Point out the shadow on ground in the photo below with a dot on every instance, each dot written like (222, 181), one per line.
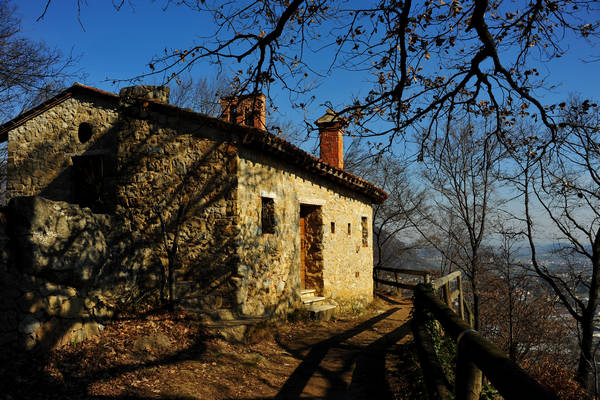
(362, 358)
(346, 359)
(38, 375)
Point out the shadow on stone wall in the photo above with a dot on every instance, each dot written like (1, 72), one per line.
(56, 287)
(169, 234)
(176, 192)
(65, 270)
(77, 181)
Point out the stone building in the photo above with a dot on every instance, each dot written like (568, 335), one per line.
(109, 193)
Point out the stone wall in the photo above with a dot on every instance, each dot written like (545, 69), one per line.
(177, 192)
(169, 179)
(41, 151)
(271, 281)
(58, 281)
(168, 185)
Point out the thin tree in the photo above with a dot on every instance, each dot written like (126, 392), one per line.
(518, 312)
(30, 71)
(563, 181)
(202, 95)
(522, 317)
(461, 171)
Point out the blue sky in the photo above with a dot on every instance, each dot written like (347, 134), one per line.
(114, 45)
(119, 45)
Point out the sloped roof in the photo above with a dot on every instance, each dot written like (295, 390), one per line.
(251, 137)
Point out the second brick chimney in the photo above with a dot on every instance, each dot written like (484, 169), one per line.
(331, 137)
(247, 110)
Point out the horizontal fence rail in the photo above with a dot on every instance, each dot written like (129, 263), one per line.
(476, 356)
(398, 271)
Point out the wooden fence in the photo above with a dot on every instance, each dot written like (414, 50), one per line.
(449, 295)
(476, 356)
(399, 271)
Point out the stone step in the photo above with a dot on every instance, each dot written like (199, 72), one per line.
(312, 299)
(322, 312)
(307, 292)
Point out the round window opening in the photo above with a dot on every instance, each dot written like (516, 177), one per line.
(85, 132)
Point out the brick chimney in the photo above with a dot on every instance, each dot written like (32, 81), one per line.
(247, 110)
(332, 141)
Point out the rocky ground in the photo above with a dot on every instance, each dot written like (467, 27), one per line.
(169, 356)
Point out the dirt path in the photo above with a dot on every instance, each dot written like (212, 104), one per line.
(163, 357)
(350, 364)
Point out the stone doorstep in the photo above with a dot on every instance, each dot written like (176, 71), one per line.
(307, 292)
(312, 300)
(320, 307)
(315, 305)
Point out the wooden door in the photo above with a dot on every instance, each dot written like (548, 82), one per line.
(303, 251)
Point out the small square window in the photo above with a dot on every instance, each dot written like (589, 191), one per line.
(365, 232)
(349, 228)
(267, 215)
(333, 227)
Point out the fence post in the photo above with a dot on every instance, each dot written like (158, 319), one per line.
(468, 376)
(437, 384)
(448, 295)
(461, 300)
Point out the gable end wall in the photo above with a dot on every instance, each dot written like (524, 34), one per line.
(40, 150)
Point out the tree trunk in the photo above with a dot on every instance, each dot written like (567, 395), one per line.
(171, 280)
(475, 290)
(163, 284)
(512, 348)
(585, 368)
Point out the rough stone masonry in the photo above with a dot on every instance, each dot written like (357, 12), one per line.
(108, 193)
